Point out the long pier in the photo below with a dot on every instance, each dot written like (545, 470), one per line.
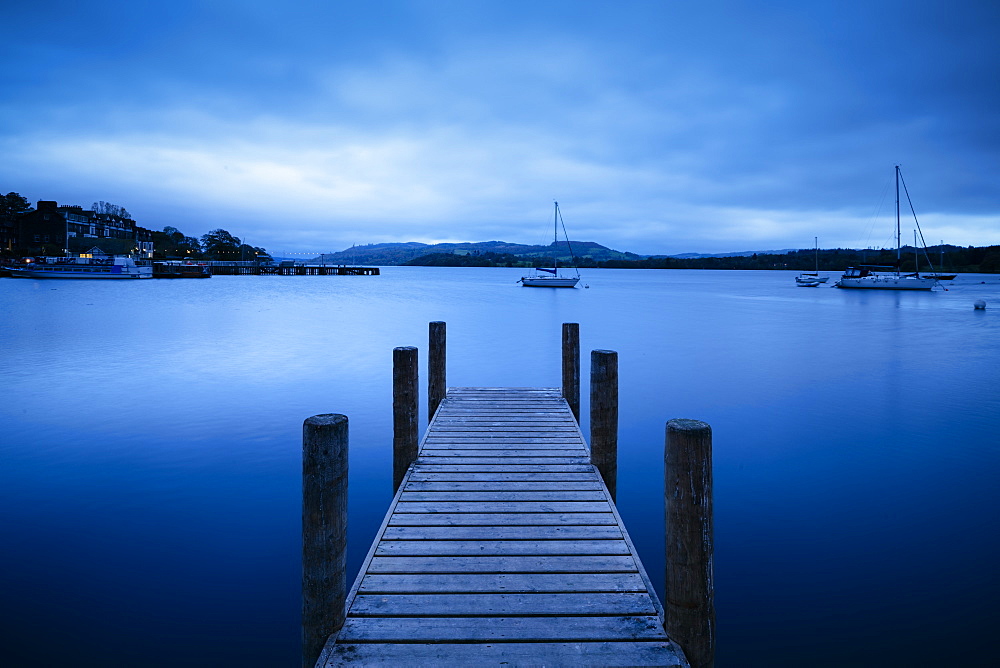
(502, 544)
(256, 269)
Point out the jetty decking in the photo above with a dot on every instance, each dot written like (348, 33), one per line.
(502, 545)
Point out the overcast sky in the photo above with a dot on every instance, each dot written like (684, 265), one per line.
(664, 126)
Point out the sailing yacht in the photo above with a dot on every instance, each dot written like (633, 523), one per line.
(877, 277)
(552, 278)
(811, 279)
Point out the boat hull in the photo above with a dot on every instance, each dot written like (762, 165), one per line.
(103, 267)
(549, 282)
(136, 272)
(810, 278)
(164, 270)
(887, 283)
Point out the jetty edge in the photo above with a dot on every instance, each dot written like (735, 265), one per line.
(502, 543)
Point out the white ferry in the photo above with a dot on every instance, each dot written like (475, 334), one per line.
(117, 266)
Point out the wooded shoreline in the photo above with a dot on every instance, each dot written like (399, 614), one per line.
(985, 260)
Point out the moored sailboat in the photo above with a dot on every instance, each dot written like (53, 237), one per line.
(881, 277)
(811, 279)
(552, 278)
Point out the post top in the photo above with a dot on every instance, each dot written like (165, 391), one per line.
(405, 348)
(685, 424)
(326, 420)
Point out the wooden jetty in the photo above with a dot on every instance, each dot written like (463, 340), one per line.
(502, 544)
(221, 268)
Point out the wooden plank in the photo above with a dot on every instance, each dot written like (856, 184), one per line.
(510, 450)
(499, 435)
(485, 422)
(502, 495)
(437, 448)
(500, 547)
(520, 605)
(502, 507)
(501, 441)
(504, 564)
(505, 519)
(506, 468)
(457, 583)
(548, 427)
(484, 486)
(540, 435)
(460, 390)
(523, 629)
(512, 398)
(505, 411)
(482, 462)
(507, 532)
(533, 475)
(644, 653)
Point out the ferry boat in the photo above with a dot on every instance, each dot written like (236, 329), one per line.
(116, 266)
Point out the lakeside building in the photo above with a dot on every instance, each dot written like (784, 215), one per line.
(50, 229)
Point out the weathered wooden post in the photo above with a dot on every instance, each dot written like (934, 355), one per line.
(690, 592)
(404, 411)
(604, 415)
(437, 385)
(571, 366)
(324, 531)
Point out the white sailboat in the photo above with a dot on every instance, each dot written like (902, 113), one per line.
(877, 277)
(551, 278)
(811, 279)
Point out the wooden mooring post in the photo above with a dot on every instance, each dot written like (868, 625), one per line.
(324, 531)
(437, 385)
(405, 409)
(689, 605)
(571, 366)
(604, 415)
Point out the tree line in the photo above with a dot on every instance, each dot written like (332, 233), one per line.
(974, 259)
(218, 244)
(487, 259)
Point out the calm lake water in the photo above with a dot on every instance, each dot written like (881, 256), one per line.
(151, 434)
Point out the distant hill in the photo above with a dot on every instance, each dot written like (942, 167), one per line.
(399, 253)
(688, 256)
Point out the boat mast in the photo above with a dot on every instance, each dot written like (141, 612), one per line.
(898, 256)
(555, 236)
